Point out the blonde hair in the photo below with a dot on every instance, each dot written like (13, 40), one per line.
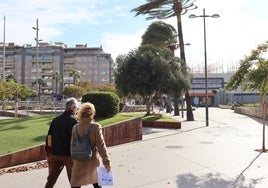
(86, 111)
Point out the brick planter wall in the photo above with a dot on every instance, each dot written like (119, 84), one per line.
(127, 131)
(159, 124)
(124, 132)
(21, 157)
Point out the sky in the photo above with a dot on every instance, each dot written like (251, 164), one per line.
(241, 27)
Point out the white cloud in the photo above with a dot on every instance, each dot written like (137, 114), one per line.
(121, 43)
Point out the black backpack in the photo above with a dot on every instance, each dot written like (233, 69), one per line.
(81, 147)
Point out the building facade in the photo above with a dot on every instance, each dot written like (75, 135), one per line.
(217, 95)
(50, 66)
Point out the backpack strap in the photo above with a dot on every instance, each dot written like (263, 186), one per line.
(89, 129)
(77, 134)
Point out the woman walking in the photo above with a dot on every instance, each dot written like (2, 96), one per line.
(85, 172)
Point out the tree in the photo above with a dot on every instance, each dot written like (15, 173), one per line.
(40, 83)
(107, 88)
(74, 91)
(160, 34)
(57, 77)
(15, 91)
(10, 77)
(87, 86)
(176, 82)
(252, 75)
(141, 72)
(3, 93)
(76, 75)
(165, 35)
(163, 9)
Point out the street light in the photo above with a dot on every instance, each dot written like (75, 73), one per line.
(37, 58)
(4, 50)
(205, 51)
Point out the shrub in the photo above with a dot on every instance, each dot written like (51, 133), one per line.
(106, 103)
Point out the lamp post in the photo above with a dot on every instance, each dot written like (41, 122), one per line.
(205, 51)
(4, 50)
(37, 60)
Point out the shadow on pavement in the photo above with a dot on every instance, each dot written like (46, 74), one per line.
(214, 181)
(147, 131)
(251, 163)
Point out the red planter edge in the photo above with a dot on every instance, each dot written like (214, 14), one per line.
(159, 124)
(116, 134)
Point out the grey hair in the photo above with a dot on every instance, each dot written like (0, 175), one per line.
(71, 102)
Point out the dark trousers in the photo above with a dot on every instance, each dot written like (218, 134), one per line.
(95, 185)
(56, 165)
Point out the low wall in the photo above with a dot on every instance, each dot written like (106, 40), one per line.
(124, 132)
(10, 114)
(21, 157)
(251, 111)
(159, 124)
(127, 131)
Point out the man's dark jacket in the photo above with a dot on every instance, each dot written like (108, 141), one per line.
(60, 130)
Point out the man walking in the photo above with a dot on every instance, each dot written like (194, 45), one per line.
(58, 142)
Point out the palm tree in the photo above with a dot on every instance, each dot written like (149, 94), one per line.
(10, 77)
(163, 9)
(40, 83)
(76, 75)
(57, 77)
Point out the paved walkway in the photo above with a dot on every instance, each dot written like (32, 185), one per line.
(222, 155)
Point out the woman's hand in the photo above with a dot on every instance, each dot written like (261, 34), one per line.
(108, 168)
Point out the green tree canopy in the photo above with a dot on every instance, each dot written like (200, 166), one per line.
(176, 82)
(76, 75)
(13, 90)
(160, 34)
(252, 75)
(141, 72)
(74, 91)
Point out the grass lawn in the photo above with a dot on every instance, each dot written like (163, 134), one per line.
(21, 133)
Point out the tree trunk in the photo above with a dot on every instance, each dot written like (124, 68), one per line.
(39, 90)
(264, 112)
(16, 106)
(3, 104)
(56, 86)
(176, 106)
(178, 10)
(190, 116)
(168, 104)
(148, 105)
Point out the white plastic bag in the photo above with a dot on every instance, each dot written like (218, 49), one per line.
(104, 178)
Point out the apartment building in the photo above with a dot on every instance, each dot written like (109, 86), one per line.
(53, 65)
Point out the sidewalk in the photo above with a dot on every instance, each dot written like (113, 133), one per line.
(221, 155)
